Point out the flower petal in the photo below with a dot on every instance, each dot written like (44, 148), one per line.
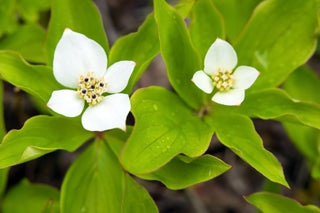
(203, 81)
(230, 97)
(244, 77)
(220, 55)
(77, 55)
(66, 102)
(118, 75)
(110, 113)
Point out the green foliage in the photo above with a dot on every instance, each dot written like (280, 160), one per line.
(141, 46)
(162, 131)
(273, 203)
(172, 130)
(39, 136)
(7, 19)
(235, 15)
(207, 24)
(30, 198)
(27, 40)
(29, 10)
(280, 44)
(36, 80)
(276, 104)
(3, 180)
(96, 183)
(80, 16)
(183, 171)
(246, 144)
(178, 173)
(181, 58)
(304, 85)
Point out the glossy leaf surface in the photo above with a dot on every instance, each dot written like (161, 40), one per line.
(206, 25)
(162, 131)
(141, 46)
(276, 104)
(39, 136)
(237, 132)
(235, 15)
(29, 198)
(96, 183)
(183, 171)
(28, 40)
(280, 43)
(273, 203)
(18, 72)
(181, 58)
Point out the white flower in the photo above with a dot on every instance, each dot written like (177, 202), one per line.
(81, 64)
(229, 86)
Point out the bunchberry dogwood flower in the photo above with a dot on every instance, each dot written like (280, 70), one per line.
(81, 64)
(218, 75)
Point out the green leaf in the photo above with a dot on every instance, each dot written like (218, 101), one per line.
(164, 128)
(207, 24)
(303, 84)
(177, 51)
(27, 40)
(307, 140)
(29, 198)
(273, 203)
(3, 180)
(7, 16)
(276, 104)
(235, 14)
(96, 183)
(30, 10)
(39, 136)
(280, 44)
(116, 139)
(81, 16)
(180, 172)
(183, 171)
(36, 80)
(141, 46)
(237, 132)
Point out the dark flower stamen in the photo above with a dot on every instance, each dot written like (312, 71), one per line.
(91, 89)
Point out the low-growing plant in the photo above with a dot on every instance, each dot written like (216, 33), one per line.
(227, 62)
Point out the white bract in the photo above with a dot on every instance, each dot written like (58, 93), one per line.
(229, 86)
(81, 64)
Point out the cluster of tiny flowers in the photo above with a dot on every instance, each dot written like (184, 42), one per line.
(91, 88)
(223, 79)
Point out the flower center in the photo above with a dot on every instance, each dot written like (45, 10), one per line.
(223, 79)
(91, 88)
